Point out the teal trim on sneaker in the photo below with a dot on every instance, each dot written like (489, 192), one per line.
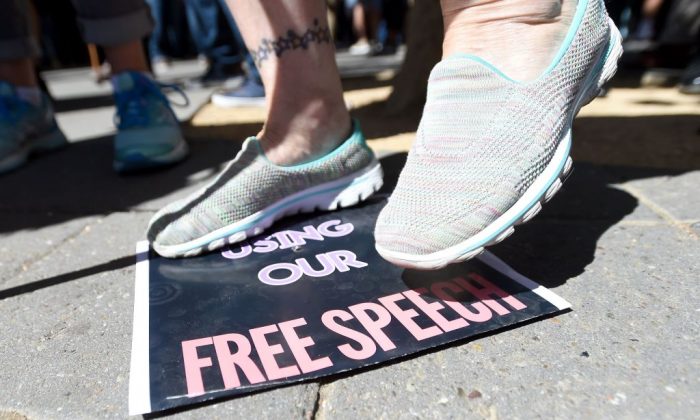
(356, 137)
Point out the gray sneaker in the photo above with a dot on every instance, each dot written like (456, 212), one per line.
(252, 192)
(491, 150)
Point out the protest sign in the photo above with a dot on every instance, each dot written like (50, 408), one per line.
(307, 299)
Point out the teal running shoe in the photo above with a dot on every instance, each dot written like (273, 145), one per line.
(252, 192)
(25, 129)
(149, 134)
(490, 150)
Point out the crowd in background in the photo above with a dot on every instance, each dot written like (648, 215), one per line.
(666, 31)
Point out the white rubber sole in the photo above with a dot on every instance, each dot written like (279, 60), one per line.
(545, 186)
(344, 192)
(47, 143)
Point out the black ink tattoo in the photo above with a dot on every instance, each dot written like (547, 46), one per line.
(292, 41)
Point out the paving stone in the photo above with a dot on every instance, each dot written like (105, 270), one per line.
(615, 355)
(82, 181)
(675, 193)
(297, 402)
(26, 237)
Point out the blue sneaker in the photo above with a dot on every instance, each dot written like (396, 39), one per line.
(25, 129)
(149, 133)
(250, 93)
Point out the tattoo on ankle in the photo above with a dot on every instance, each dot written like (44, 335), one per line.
(292, 41)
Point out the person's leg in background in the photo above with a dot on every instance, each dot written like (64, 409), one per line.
(309, 155)
(394, 13)
(251, 92)
(160, 63)
(365, 22)
(148, 133)
(494, 138)
(27, 124)
(214, 39)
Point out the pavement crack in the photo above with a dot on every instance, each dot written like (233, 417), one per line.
(660, 211)
(317, 403)
(27, 264)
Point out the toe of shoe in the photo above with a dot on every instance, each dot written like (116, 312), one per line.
(406, 234)
(402, 233)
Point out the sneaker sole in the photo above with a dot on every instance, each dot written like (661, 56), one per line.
(344, 192)
(545, 186)
(44, 144)
(138, 162)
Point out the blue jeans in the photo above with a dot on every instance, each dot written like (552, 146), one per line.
(214, 33)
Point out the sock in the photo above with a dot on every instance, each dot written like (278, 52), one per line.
(31, 94)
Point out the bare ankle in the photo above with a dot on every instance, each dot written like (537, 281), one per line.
(303, 132)
(519, 37)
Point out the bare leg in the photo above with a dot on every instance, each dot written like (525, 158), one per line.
(129, 56)
(520, 37)
(359, 23)
(306, 115)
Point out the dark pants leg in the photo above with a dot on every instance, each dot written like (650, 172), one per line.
(113, 22)
(16, 38)
(211, 34)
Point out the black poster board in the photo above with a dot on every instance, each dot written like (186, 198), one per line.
(309, 298)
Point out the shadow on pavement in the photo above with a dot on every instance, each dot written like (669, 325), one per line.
(79, 181)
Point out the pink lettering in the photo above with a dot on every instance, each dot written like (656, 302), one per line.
(367, 346)
(194, 365)
(267, 352)
(298, 346)
(241, 358)
(482, 313)
(433, 311)
(405, 317)
(374, 326)
(487, 291)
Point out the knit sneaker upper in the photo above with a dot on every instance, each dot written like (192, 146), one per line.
(483, 140)
(249, 184)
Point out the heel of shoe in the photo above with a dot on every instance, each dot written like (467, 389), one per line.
(609, 60)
